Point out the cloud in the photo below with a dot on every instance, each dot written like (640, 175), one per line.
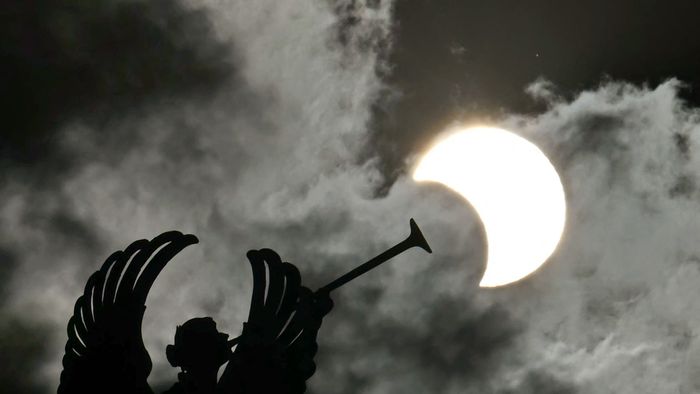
(614, 309)
(23, 343)
(243, 161)
(70, 64)
(97, 61)
(613, 296)
(276, 156)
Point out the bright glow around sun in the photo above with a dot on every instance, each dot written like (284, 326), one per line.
(514, 189)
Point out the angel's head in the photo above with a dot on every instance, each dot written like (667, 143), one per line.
(199, 346)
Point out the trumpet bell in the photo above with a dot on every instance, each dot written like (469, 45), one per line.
(417, 239)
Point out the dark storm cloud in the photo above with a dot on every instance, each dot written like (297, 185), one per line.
(8, 261)
(96, 63)
(24, 336)
(95, 60)
(437, 356)
(240, 172)
(22, 348)
(540, 382)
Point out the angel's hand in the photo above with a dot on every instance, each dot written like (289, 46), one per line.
(312, 308)
(320, 304)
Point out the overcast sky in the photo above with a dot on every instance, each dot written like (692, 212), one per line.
(292, 125)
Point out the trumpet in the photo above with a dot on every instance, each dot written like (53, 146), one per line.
(414, 239)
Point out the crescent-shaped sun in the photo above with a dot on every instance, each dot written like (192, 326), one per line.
(514, 189)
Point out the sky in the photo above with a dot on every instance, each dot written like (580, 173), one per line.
(294, 125)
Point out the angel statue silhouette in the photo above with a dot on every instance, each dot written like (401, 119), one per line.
(274, 354)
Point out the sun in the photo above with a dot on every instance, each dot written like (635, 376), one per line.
(513, 187)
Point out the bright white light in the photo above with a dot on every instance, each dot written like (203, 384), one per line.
(513, 187)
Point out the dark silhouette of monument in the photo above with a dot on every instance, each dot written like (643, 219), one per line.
(273, 355)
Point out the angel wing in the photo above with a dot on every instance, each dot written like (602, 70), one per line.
(105, 351)
(276, 350)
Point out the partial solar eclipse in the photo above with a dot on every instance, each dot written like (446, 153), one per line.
(514, 189)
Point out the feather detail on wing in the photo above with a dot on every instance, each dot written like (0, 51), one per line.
(276, 350)
(105, 351)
